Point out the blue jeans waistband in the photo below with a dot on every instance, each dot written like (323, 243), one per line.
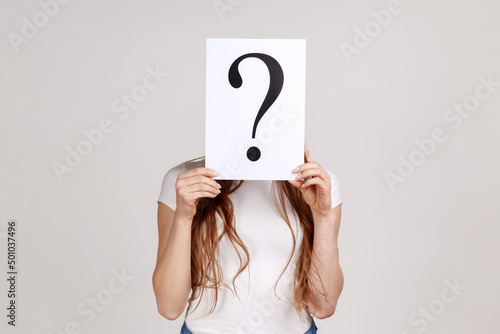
(312, 329)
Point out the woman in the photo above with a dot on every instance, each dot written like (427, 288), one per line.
(260, 256)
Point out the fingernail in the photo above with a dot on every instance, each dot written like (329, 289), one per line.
(218, 185)
(299, 176)
(296, 170)
(215, 174)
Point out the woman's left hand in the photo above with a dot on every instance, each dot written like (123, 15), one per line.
(315, 184)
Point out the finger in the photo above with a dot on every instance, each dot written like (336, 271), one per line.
(306, 166)
(315, 181)
(193, 197)
(198, 171)
(314, 172)
(202, 194)
(198, 179)
(201, 187)
(307, 155)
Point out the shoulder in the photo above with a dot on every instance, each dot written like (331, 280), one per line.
(335, 189)
(171, 175)
(333, 177)
(168, 192)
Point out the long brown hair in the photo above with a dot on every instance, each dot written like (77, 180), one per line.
(206, 271)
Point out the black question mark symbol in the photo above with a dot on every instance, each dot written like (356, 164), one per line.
(275, 85)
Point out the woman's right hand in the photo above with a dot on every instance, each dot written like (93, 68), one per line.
(192, 185)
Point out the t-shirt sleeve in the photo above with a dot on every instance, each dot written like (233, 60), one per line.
(167, 192)
(336, 198)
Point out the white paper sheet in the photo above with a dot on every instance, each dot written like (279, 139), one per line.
(231, 112)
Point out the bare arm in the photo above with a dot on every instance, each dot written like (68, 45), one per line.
(315, 184)
(172, 274)
(325, 257)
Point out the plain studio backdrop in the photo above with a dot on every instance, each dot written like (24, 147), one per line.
(402, 101)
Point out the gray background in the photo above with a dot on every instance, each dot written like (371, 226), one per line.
(397, 246)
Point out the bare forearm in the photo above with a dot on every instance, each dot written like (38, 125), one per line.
(325, 259)
(172, 275)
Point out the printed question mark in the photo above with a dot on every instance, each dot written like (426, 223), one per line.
(275, 85)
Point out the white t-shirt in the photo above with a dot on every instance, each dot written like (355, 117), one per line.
(269, 242)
